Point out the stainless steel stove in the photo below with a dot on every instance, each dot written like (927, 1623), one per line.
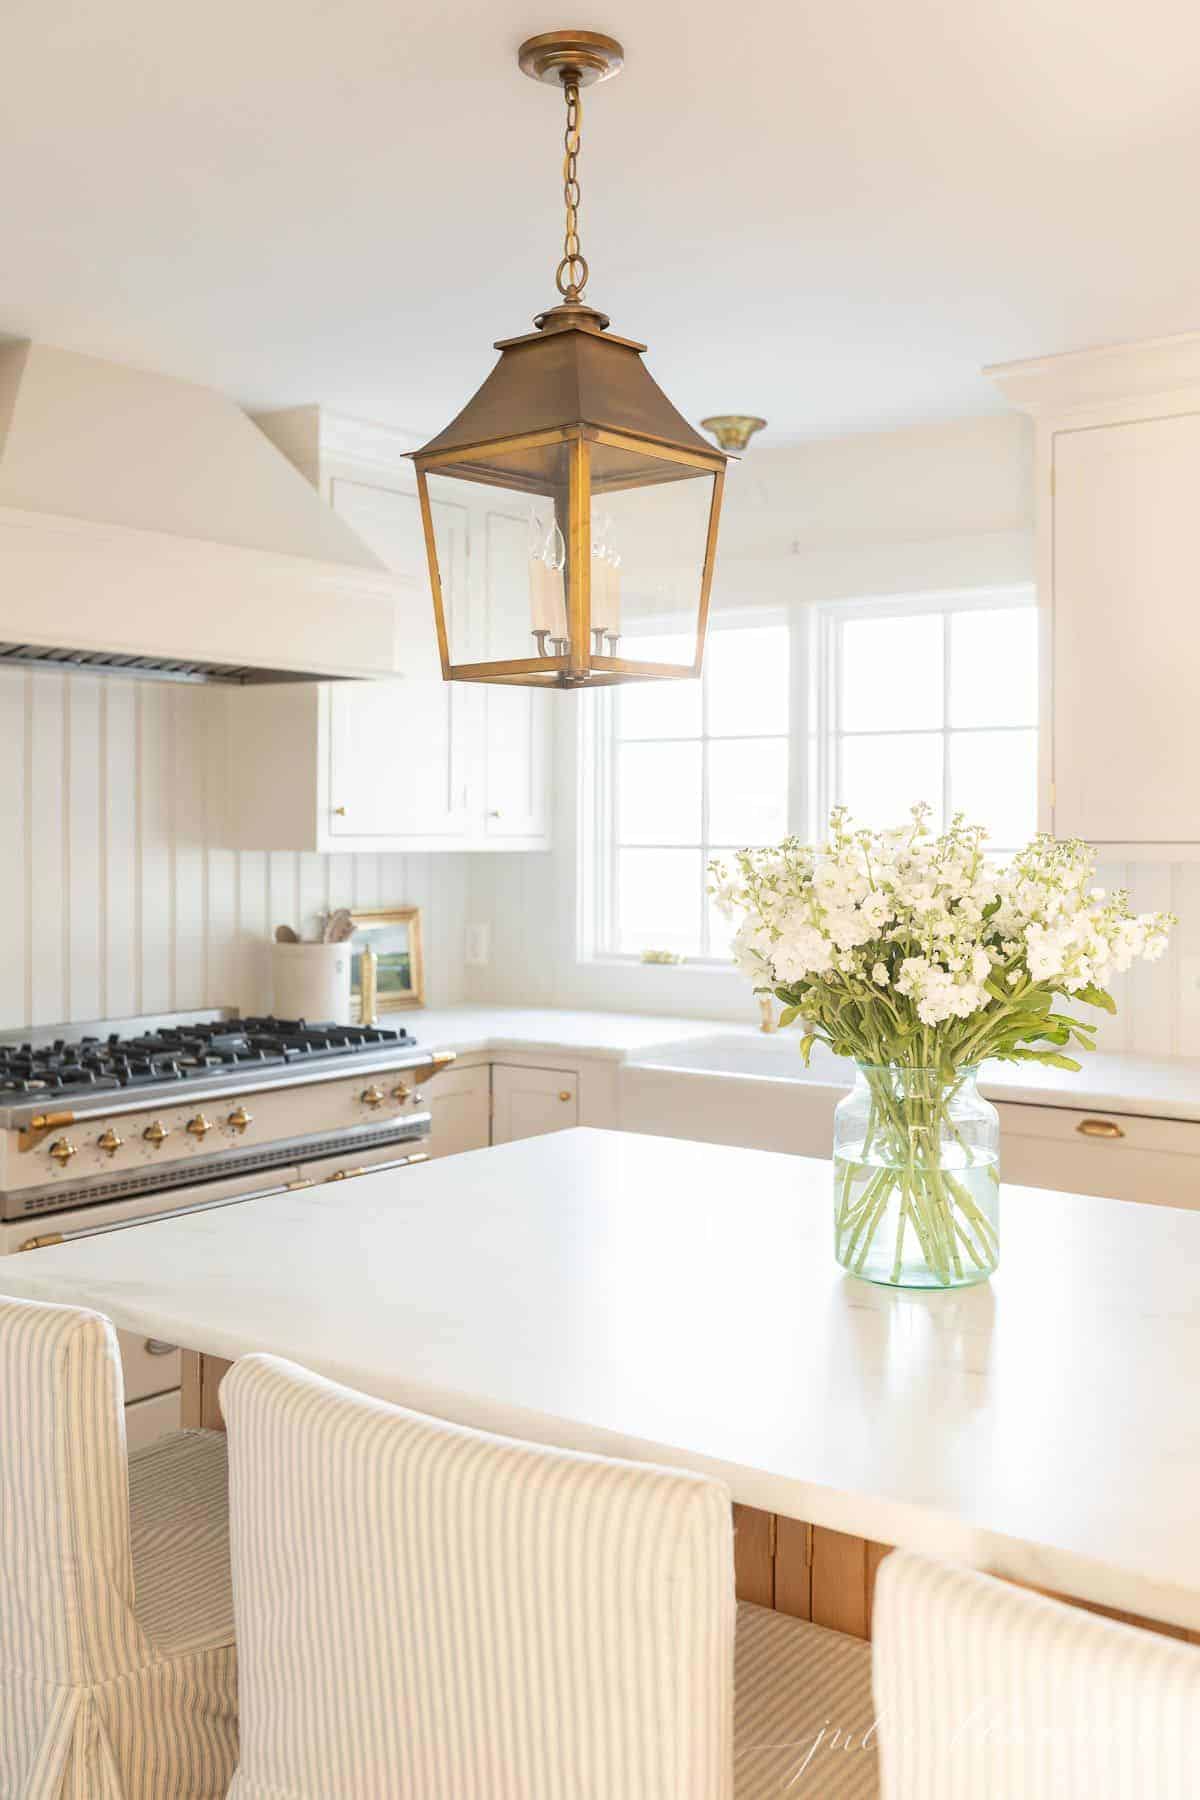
(122, 1120)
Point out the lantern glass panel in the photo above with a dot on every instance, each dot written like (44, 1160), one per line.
(508, 508)
(650, 519)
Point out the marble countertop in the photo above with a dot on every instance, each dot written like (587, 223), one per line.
(597, 1290)
(1154, 1087)
(530, 1030)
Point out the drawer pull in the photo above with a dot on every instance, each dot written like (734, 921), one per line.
(1101, 1128)
(565, 1094)
(158, 1347)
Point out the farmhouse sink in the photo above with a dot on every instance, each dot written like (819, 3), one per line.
(767, 1056)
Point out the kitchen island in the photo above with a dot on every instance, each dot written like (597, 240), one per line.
(679, 1302)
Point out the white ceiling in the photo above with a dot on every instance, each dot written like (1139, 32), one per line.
(830, 215)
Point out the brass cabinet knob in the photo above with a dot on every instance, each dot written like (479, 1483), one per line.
(199, 1126)
(239, 1118)
(564, 1094)
(372, 1096)
(339, 812)
(62, 1150)
(1101, 1128)
(400, 1092)
(108, 1140)
(157, 1134)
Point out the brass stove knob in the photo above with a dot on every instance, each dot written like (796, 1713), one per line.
(239, 1118)
(199, 1126)
(62, 1150)
(157, 1134)
(400, 1092)
(372, 1096)
(108, 1140)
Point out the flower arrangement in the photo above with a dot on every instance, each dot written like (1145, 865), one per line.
(915, 955)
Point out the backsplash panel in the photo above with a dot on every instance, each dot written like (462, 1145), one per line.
(119, 896)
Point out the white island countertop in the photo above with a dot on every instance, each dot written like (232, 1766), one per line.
(679, 1302)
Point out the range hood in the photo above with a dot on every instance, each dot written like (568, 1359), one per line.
(148, 527)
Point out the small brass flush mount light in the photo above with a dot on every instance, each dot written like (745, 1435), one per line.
(595, 503)
(732, 431)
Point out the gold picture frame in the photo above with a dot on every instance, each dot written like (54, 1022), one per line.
(394, 933)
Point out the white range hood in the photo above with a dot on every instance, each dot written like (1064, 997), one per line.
(148, 527)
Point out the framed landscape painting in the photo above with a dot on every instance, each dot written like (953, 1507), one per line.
(395, 937)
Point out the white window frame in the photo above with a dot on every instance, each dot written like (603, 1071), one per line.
(814, 741)
(598, 835)
(826, 736)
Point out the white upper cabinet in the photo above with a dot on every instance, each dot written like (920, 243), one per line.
(1127, 632)
(399, 761)
(1118, 527)
(415, 763)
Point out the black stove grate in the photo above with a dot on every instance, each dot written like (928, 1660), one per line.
(180, 1053)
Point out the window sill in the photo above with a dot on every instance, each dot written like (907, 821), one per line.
(696, 965)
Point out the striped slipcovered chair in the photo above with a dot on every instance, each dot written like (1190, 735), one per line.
(433, 1613)
(988, 1692)
(117, 1670)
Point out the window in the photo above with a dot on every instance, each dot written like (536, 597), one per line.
(696, 767)
(935, 700)
(874, 704)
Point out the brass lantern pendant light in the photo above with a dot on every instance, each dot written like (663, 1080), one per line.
(593, 502)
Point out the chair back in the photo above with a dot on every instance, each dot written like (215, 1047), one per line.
(426, 1610)
(984, 1689)
(66, 1578)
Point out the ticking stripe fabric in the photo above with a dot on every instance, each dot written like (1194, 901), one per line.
(986, 1691)
(100, 1699)
(430, 1612)
(803, 1712)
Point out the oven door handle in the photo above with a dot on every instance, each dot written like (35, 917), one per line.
(50, 1238)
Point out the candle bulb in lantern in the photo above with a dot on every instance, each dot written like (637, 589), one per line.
(547, 604)
(613, 622)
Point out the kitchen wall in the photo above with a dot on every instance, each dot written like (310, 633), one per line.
(118, 895)
(941, 507)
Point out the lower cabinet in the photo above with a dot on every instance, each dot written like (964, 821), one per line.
(146, 1420)
(474, 1107)
(530, 1102)
(152, 1374)
(1119, 1156)
(460, 1106)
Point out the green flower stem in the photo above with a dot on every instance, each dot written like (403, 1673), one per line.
(909, 1127)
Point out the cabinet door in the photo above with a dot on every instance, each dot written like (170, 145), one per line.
(516, 720)
(398, 757)
(1155, 1161)
(529, 1102)
(1126, 566)
(460, 1102)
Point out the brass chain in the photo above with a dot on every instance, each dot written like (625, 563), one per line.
(571, 276)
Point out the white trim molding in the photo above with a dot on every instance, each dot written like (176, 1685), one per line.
(1079, 379)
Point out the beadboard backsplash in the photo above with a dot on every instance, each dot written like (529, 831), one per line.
(118, 896)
